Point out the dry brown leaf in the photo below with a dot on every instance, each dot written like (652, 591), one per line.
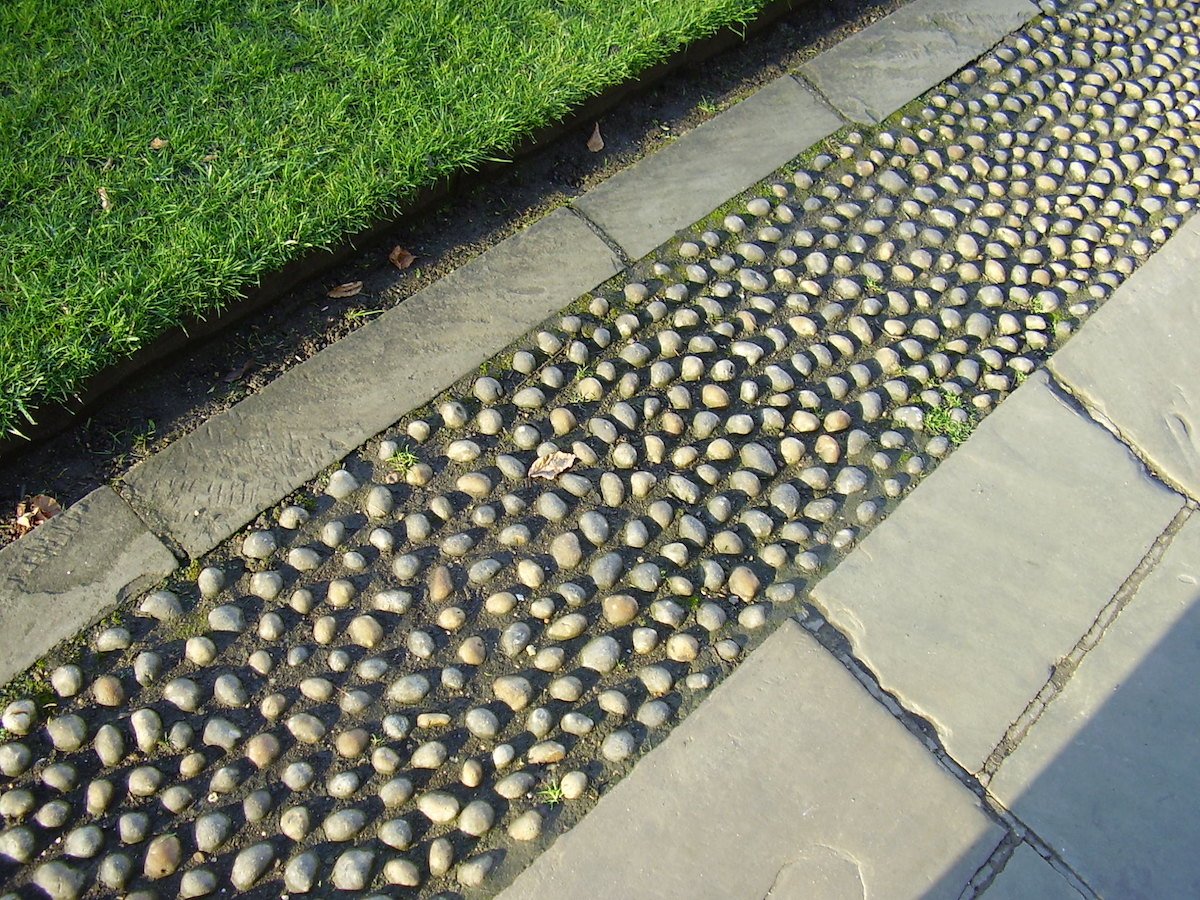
(239, 373)
(595, 142)
(401, 258)
(105, 203)
(33, 512)
(349, 289)
(159, 143)
(552, 465)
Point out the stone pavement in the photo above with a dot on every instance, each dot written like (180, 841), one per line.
(397, 661)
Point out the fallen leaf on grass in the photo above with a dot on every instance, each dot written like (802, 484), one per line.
(401, 258)
(552, 465)
(33, 512)
(349, 289)
(105, 203)
(595, 142)
(159, 143)
(239, 373)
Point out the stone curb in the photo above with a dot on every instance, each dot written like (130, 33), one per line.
(644, 205)
(204, 487)
(70, 571)
(875, 72)
(207, 485)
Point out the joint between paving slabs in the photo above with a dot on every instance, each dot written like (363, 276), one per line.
(1073, 401)
(920, 728)
(153, 524)
(833, 640)
(1019, 834)
(617, 249)
(799, 78)
(1063, 669)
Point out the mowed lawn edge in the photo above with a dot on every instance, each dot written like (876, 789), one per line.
(158, 157)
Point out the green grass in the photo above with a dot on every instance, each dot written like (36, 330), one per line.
(551, 793)
(230, 136)
(939, 421)
(402, 460)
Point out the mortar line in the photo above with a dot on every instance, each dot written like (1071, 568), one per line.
(1064, 392)
(817, 92)
(1016, 831)
(1066, 667)
(626, 261)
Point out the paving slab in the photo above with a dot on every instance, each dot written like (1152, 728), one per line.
(644, 205)
(1027, 876)
(1107, 776)
(1136, 361)
(789, 781)
(206, 486)
(962, 601)
(875, 72)
(66, 573)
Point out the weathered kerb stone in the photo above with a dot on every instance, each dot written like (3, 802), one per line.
(205, 486)
(645, 204)
(66, 573)
(873, 73)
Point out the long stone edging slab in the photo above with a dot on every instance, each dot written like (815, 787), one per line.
(71, 570)
(877, 71)
(207, 485)
(644, 205)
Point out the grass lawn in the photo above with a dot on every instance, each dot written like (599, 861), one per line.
(158, 156)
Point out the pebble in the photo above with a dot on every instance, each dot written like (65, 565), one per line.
(197, 883)
(476, 818)
(601, 654)
(518, 784)
(250, 865)
(482, 722)
(439, 807)
(352, 871)
(300, 874)
(58, 880)
(396, 833)
(618, 746)
(441, 856)
(341, 484)
(84, 842)
(211, 831)
(526, 827)
(475, 870)
(161, 605)
(259, 545)
(67, 732)
(163, 856)
(227, 618)
(306, 728)
(344, 825)
(619, 609)
(546, 752)
(743, 583)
